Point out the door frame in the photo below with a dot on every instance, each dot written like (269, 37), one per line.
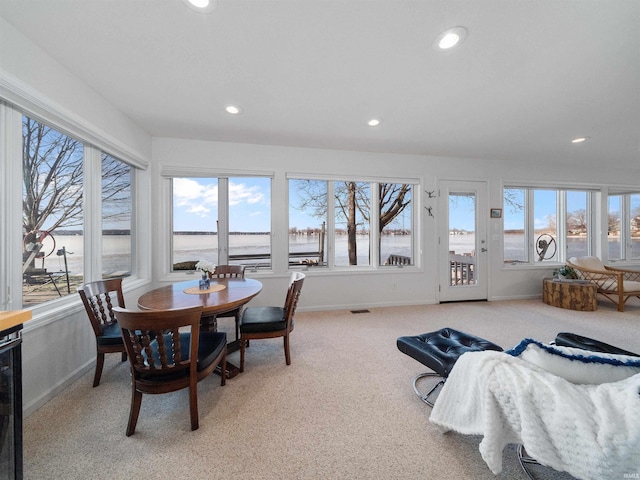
(480, 290)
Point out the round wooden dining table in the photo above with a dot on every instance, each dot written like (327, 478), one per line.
(223, 295)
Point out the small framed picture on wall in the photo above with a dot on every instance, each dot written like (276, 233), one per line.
(496, 213)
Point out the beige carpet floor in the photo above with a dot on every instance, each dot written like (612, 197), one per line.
(344, 409)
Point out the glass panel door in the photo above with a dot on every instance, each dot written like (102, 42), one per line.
(462, 238)
(463, 247)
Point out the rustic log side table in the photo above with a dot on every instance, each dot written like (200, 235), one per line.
(571, 294)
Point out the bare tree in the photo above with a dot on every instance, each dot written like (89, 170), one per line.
(551, 222)
(577, 220)
(352, 198)
(514, 199)
(53, 180)
(614, 221)
(52, 177)
(393, 198)
(116, 191)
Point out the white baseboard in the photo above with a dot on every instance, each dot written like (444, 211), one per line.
(36, 403)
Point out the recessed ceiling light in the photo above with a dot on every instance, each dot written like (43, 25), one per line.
(580, 140)
(233, 109)
(450, 38)
(374, 122)
(201, 6)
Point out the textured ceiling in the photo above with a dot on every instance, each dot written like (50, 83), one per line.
(529, 77)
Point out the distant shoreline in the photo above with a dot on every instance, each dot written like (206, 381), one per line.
(74, 233)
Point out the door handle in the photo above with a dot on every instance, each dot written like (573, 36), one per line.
(483, 249)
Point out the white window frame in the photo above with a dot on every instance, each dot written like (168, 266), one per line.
(561, 223)
(374, 250)
(165, 244)
(626, 249)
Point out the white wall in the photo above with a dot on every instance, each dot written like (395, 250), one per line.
(31, 78)
(322, 290)
(331, 290)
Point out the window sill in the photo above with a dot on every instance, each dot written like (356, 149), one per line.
(530, 266)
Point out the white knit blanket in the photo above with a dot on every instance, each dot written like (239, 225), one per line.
(589, 431)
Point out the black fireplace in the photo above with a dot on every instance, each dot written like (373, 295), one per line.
(11, 403)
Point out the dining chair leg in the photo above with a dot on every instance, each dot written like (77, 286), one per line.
(242, 346)
(287, 354)
(136, 401)
(223, 370)
(238, 313)
(99, 365)
(193, 402)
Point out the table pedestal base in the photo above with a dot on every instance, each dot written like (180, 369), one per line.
(232, 370)
(210, 323)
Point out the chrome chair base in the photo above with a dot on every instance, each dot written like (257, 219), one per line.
(425, 396)
(525, 460)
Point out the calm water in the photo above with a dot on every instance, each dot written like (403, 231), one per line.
(194, 247)
(514, 246)
(116, 256)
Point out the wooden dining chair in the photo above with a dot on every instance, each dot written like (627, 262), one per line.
(229, 271)
(99, 298)
(271, 322)
(165, 358)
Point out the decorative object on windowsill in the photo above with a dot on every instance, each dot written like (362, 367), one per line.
(545, 247)
(207, 269)
(565, 272)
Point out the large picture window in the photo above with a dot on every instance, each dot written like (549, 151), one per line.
(395, 223)
(52, 213)
(308, 222)
(614, 227)
(623, 233)
(342, 223)
(117, 210)
(577, 218)
(195, 221)
(352, 212)
(546, 225)
(65, 240)
(515, 215)
(221, 220)
(249, 204)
